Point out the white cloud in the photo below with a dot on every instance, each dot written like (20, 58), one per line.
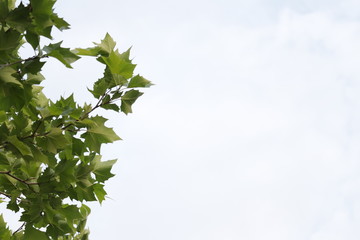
(250, 133)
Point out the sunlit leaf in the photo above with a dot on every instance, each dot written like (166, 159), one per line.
(120, 64)
(139, 81)
(104, 48)
(5, 233)
(7, 76)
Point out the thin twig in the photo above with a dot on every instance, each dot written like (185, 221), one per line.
(34, 133)
(19, 229)
(98, 104)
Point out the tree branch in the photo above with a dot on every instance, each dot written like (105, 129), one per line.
(19, 179)
(98, 104)
(23, 60)
(5, 194)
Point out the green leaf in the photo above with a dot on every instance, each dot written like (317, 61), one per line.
(102, 170)
(71, 212)
(4, 9)
(32, 38)
(128, 99)
(3, 116)
(19, 145)
(7, 76)
(39, 156)
(12, 205)
(20, 123)
(32, 234)
(104, 48)
(53, 141)
(85, 210)
(81, 226)
(98, 134)
(87, 51)
(111, 106)
(4, 161)
(60, 23)
(64, 55)
(11, 96)
(9, 40)
(42, 13)
(5, 233)
(64, 107)
(107, 45)
(19, 18)
(35, 78)
(120, 64)
(66, 170)
(81, 194)
(33, 66)
(99, 191)
(42, 7)
(4, 131)
(109, 80)
(139, 81)
(99, 88)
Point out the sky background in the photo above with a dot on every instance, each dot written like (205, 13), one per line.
(252, 130)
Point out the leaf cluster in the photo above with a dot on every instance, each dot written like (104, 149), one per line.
(50, 151)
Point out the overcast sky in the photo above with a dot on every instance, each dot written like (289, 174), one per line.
(252, 130)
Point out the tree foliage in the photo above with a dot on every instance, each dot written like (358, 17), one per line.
(50, 162)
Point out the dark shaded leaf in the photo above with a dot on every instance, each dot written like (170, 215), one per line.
(111, 106)
(9, 40)
(60, 23)
(32, 233)
(64, 55)
(98, 134)
(128, 99)
(32, 38)
(102, 170)
(33, 66)
(19, 18)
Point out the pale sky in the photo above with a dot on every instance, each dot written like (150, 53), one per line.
(252, 130)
